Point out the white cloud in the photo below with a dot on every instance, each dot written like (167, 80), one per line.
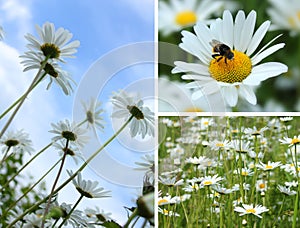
(17, 13)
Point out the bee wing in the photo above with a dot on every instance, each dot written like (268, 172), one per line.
(214, 43)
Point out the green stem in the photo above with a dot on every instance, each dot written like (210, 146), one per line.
(296, 205)
(279, 212)
(5, 156)
(55, 182)
(30, 88)
(70, 212)
(24, 166)
(131, 217)
(74, 175)
(33, 186)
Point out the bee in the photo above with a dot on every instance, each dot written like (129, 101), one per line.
(222, 50)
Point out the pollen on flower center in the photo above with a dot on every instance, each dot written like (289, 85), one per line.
(231, 71)
(136, 112)
(162, 201)
(269, 167)
(295, 141)
(207, 182)
(252, 210)
(186, 18)
(50, 50)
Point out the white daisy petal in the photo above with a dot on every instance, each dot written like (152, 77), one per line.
(248, 93)
(227, 28)
(230, 94)
(264, 71)
(255, 60)
(247, 31)
(239, 24)
(257, 37)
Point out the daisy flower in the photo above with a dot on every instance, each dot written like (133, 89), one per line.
(147, 164)
(33, 60)
(178, 14)
(72, 151)
(290, 141)
(210, 180)
(69, 131)
(127, 106)
(241, 146)
(286, 119)
(261, 185)
(33, 220)
(88, 188)
(93, 114)
(53, 44)
(249, 209)
(170, 182)
(16, 142)
(163, 200)
(254, 131)
(96, 214)
(269, 166)
(167, 213)
(245, 172)
(286, 190)
(285, 15)
(217, 145)
(241, 71)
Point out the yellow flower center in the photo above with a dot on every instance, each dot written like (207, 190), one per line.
(244, 173)
(207, 182)
(185, 18)
(193, 109)
(262, 186)
(269, 167)
(252, 210)
(293, 19)
(235, 70)
(295, 141)
(220, 144)
(162, 201)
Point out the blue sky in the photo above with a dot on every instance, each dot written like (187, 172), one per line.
(102, 27)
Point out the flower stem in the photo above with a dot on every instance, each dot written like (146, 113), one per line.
(75, 174)
(4, 156)
(33, 186)
(71, 211)
(55, 182)
(131, 217)
(296, 205)
(37, 78)
(24, 166)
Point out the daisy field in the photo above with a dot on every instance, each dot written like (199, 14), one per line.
(228, 172)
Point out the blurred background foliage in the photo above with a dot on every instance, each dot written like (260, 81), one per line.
(280, 93)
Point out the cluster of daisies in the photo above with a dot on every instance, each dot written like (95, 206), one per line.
(28, 206)
(224, 79)
(219, 169)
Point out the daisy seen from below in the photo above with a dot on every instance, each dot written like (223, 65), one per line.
(234, 76)
(127, 106)
(88, 188)
(178, 14)
(250, 209)
(286, 190)
(285, 15)
(16, 142)
(52, 44)
(93, 114)
(69, 131)
(33, 60)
